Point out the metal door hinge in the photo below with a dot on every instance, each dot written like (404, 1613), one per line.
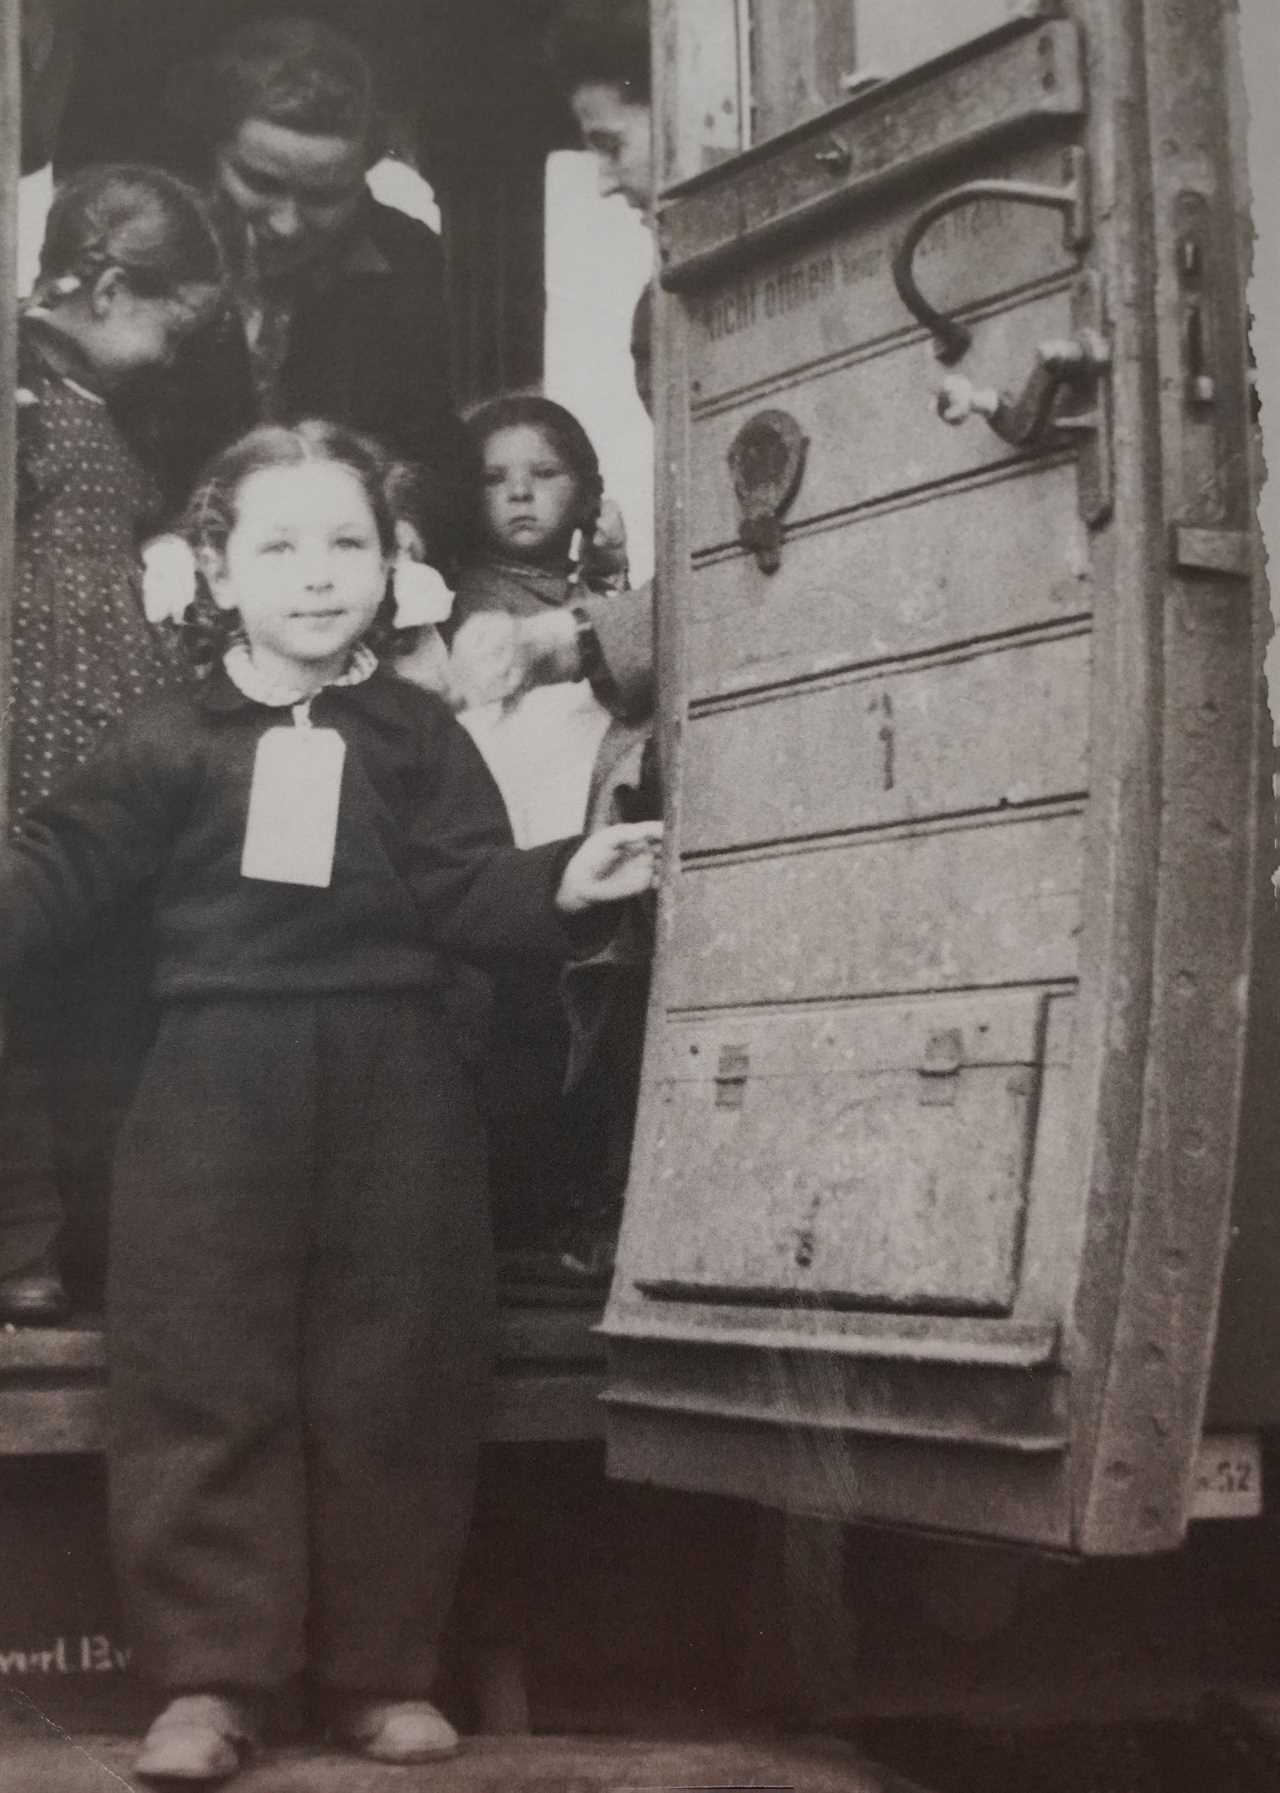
(732, 1071)
(940, 1068)
(1226, 552)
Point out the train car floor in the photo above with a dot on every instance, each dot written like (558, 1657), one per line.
(1220, 1749)
(48, 1761)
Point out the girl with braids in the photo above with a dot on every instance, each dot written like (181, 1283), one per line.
(129, 268)
(300, 1306)
(553, 1149)
(540, 493)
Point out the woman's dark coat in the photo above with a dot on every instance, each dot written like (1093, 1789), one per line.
(369, 347)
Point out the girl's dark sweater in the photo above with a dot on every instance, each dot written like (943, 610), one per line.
(423, 869)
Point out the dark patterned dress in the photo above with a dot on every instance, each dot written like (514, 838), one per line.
(83, 656)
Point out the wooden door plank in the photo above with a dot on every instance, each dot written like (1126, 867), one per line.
(952, 908)
(903, 580)
(981, 731)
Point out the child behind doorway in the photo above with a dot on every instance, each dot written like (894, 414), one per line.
(542, 532)
(540, 497)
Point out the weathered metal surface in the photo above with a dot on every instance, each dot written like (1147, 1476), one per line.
(971, 731)
(1029, 79)
(878, 1156)
(941, 908)
(894, 586)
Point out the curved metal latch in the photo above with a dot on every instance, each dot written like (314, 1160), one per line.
(952, 338)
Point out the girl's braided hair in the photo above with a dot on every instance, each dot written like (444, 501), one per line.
(126, 215)
(140, 220)
(566, 435)
(207, 630)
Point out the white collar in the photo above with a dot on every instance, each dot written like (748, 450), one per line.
(277, 693)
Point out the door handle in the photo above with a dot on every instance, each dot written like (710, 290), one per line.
(1065, 398)
(1073, 362)
(952, 338)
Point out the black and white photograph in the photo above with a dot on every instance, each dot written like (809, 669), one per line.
(639, 919)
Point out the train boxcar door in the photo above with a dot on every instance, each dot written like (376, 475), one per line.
(931, 1186)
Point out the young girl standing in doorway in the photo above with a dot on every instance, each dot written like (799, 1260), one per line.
(300, 1312)
(536, 522)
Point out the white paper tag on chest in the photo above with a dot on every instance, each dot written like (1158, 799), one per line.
(292, 827)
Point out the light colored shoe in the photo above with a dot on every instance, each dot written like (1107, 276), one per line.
(198, 1737)
(396, 1731)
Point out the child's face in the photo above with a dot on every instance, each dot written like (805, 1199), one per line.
(532, 501)
(304, 567)
(132, 332)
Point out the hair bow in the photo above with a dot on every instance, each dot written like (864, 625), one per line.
(168, 578)
(421, 595)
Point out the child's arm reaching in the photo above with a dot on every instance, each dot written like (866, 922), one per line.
(489, 901)
(611, 865)
(494, 656)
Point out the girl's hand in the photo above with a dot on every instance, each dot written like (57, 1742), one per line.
(611, 865)
(495, 658)
(486, 664)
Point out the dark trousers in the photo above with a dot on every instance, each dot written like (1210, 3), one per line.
(301, 1321)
